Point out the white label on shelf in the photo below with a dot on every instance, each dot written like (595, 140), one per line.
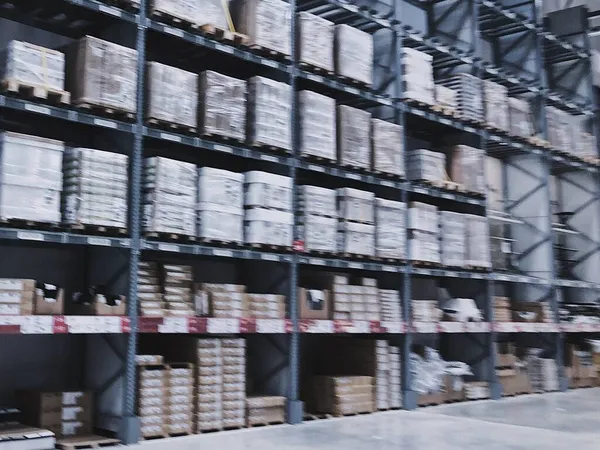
(496, 138)
(353, 176)
(388, 268)
(477, 327)
(316, 168)
(224, 253)
(168, 247)
(269, 158)
(36, 324)
(452, 274)
(37, 109)
(173, 31)
(321, 326)
(109, 10)
(312, 77)
(416, 37)
(385, 101)
(352, 90)
(420, 190)
(105, 123)
(223, 325)
(223, 148)
(387, 183)
(270, 326)
(448, 196)
(170, 137)
(470, 130)
(359, 326)
(492, 70)
(426, 327)
(224, 48)
(351, 7)
(445, 121)
(99, 241)
(316, 261)
(268, 62)
(393, 327)
(355, 265)
(269, 257)
(451, 327)
(418, 112)
(505, 247)
(30, 236)
(174, 325)
(510, 14)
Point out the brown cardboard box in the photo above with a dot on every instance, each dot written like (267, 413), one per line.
(527, 312)
(16, 302)
(455, 390)
(314, 304)
(49, 300)
(505, 355)
(431, 399)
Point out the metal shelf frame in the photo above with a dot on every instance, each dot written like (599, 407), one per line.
(488, 20)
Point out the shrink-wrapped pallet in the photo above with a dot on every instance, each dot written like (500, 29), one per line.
(268, 227)
(169, 196)
(266, 22)
(317, 125)
(423, 217)
(33, 65)
(222, 105)
(94, 188)
(390, 232)
(185, 10)
(424, 247)
(469, 92)
(173, 95)
(520, 117)
(220, 222)
(103, 74)
(317, 201)
(468, 167)
(30, 177)
(356, 238)
(496, 105)
(315, 41)
(391, 305)
(387, 141)
(453, 236)
(354, 54)
(559, 129)
(211, 12)
(318, 233)
(426, 165)
(267, 190)
(356, 206)
(354, 137)
(269, 106)
(418, 76)
(446, 98)
(478, 241)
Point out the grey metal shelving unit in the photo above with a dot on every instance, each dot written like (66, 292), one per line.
(487, 43)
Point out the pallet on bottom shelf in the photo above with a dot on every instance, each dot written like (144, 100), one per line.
(86, 442)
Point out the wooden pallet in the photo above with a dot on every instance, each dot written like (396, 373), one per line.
(446, 111)
(266, 423)
(268, 53)
(353, 82)
(224, 139)
(426, 263)
(97, 229)
(181, 433)
(233, 427)
(322, 253)
(165, 125)
(221, 34)
(591, 159)
(154, 437)
(85, 442)
(391, 176)
(175, 237)
(107, 111)
(360, 169)
(419, 104)
(127, 5)
(444, 184)
(357, 256)
(275, 248)
(180, 365)
(538, 142)
(315, 69)
(168, 18)
(317, 416)
(210, 430)
(271, 148)
(218, 242)
(29, 224)
(318, 159)
(31, 90)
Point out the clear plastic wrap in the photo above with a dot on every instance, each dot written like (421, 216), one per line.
(418, 76)
(354, 54)
(559, 129)
(33, 65)
(453, 236)
(496, 105)
(426, 165)
(425, 246)
(468, 167)
(210, 12)
(221, 187)
(317, 125)
(268, 226)
(220, 222)
(446, 98)
(315, 38)
(390, 236)
(356, 206)
(388, 147)
(186, 10)
(267, 190)
(469, 91)
(354, 137)
(269, 113)
(318, 233)
(317, 201)
(356, 238)
(478, 241)
(390, 303)
(520, 117)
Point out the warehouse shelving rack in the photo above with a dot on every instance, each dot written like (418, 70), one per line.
(488, 21)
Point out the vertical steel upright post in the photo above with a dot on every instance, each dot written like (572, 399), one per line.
(129, 431)
(294, 405)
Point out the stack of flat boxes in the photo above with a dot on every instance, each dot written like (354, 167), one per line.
(265, 306)
(356, 230)
(382, 375)
(95, 188)
(390, 235)
(269, 113)
(502, 309)
(234, 382)
(468, 167)
(227, 301)
(424, 241)
(354, 54)
(478, 242)
(17, 297)
(265, 410)
(496, 105)
(542, 372)
(418, 76)
(220, 205)
(342, 298)
(390, 306)
(209, 401)
(343, 395)
(149, 290)
(395, 380)
(387, 143)
(425, 311)
(352, 302)
(317, 126)
(453, 236)
(426, 165)
(469, 90)
(315, 41)
(177, 290)
(179, 418)
(354, 137)
(519, 114)
(446, 98)
(559, 129)
(269, 219)
(152, 401)
(317, 220)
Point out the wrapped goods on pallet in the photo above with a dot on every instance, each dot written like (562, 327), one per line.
(354, 54)
(315, 41)
(31, 178)
(233, 352)
(478, 241)
(266, 306)
(382, 375)
(185, 10)
(453, 237)
(266, 22)
(356, 206)
(209, 389)
(559, 129)
(32, 65)
(342, 395)
(318, 233)
(149, 290)
(169, 200)
(423, 217)
(268, 227)
(387, 141)
(94, 188)
(426, 165)
(521, 123)
(180, 388)
(469, 91)
(354, 137)
(211, 12)
(446, 98)
(178, 294)
(267, 190)
(269, 107)
(172, 95)
(317, 125)
(395, 377)
(222, 105)
(418, 76)
(424, 243)
(467, 167)
(220, 222)
(356, 238)
(265, 410)
(151, 399)
(426, 311)
(390, 304)
(317, 201)
(496, 105)
(542, 372)
(390, 235)
(101, 73)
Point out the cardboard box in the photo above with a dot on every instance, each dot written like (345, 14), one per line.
(527, 312)
(314, 304)
(49, 300)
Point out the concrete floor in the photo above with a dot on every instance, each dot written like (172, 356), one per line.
(550, 421)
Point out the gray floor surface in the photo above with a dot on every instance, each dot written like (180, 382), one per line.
(554, 421)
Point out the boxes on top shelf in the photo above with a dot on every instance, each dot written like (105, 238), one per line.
(387, 141)
(211, 12)
(521, 121)
(184, 10)
(315, 39)
(354, 137)
(418, 82)
(269, 106)
(268, 227)
(469, 91)
(426, 165)
(424, 241)
(354, 54)
(467, 167)
(318, 201)
(355, 205)
(172, 96)
(317, 125)
(267, 190)
(496, 105)
(390, 233)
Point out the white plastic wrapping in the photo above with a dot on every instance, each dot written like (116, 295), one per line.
(424, 246)
(469, 91)
(468, 167)
(520, 117)
(220, 222)
(354, 137)
(388, 147)
(210, 12)
(318, 233)
(356, 238)
(478, 241)
(418, 76)
(559, 129)
(317, 201)
(453, 236)
(269, 107)
(267, 190)
(446, 98)
(317, 125)
(496, 105)
(173, 95)
(33, 65)
(315, 39)
(354, 54)
(391, 305)
(426, 165)
(356, 205)
(390, 233)
(221, 187)
(268, 226)
(180, 9)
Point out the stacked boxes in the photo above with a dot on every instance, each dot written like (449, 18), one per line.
(222, 106)
(102, 73)
(354, 137)
(395, 380)
(265, 410)
(152, 396)
(424, 229)
(209, 401)
(180, 9)
(390, 234)
(390, 305)
(266, 22)
(269, 106)
(227, 301)
(468, 168)
(478, 241)
(446, 98)
(149, 291)
(172, 95)
(315, 39)
(418, 76)
(234, 382)
(520, 117)
(496, 105)
(208, 12)
(317, 126)
(387, 141)
(382, 375)
(179, 417)
(354, 54)
(559, 129)
(426, 165)
(543, 373)
(453, 236)
(352, 302)
(342, 298)
(95, 188)
(470, 101)
(33, 65)
(266, 306)
(220, 205)
(502, 309)
(343, 395)
(17, 297)
(426, 311)
(178, 297)
(269, 219)
(317, 222)
(30, 177)
(356, 232)
(169, 200)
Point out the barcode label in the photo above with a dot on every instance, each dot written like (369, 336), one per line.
(30, 236)
(316, 168)
(105, 123)
(173, 31)
(224, 253)
(99, 241)
(168, 247)
(223, 148)
(37, 109)
(269, 158)
(170, 137)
